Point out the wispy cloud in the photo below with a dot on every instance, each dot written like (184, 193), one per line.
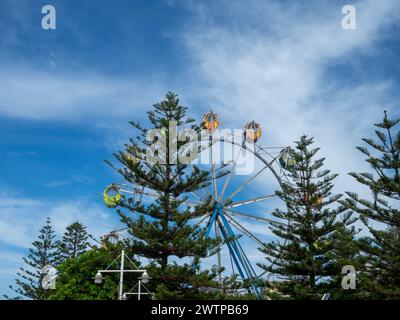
(33, 94)
(21, 217)
(271, 61)
(81, 179)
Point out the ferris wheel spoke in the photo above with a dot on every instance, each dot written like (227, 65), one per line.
(250, 216)
(154, 195)
(211, 142)
(232, 266)
(244, 230)
(138, 215)
(138, 191)
(207, 192)
(215, 189)
(245, 184)
(228, 178)
(218, 253)
(193, 203)
(241, 203)
(203, 193)
(274, 159)
(202, 219)
(120, 230)
(198, 196)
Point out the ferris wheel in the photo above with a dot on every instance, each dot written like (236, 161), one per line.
(239, 200)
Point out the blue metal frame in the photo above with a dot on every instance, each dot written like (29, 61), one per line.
(239, 256)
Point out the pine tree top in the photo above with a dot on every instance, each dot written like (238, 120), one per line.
(74, 241)
(384, 157)
(43, 253)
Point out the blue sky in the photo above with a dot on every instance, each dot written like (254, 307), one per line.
(66, 95)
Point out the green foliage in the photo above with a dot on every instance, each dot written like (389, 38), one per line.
(76, 276)
(193, 284)
(43, 253)
(186, 284)
(382, 249)
(345, 252)
(314, 235)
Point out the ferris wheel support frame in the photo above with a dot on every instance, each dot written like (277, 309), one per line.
(218, 219)
(237, 253)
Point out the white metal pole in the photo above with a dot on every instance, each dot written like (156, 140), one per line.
(121, 275)
(139, 289)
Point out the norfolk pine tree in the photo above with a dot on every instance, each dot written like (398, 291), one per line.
(381, 214)
(43, 253)
(302, 258)
(75, 280)
(164, 231)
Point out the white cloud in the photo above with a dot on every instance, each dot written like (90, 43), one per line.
(269, 61)
(34, 94)
(22, 217)
(11, 261)
(272, 62)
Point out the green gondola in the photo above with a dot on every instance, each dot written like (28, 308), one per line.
(286, 160)
(112, 196)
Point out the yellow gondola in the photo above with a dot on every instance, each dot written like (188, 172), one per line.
(112, 196)
(210, 121)
(252, 132)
